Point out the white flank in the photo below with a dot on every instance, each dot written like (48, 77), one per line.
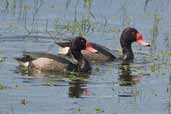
(25, 64)
(64, 51)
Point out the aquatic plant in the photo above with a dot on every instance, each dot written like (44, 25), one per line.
(2, 87)
(81, 27)
(78, 25)
(76, 76)
(146, 4)
(24, 101)
(2, 59)
(99, 110)
(154, 30)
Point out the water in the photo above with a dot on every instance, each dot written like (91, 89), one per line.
(142, 87)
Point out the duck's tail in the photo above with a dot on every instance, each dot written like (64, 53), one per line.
(23, 61)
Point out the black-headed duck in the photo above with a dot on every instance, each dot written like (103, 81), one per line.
(55, 63)
(102, 54)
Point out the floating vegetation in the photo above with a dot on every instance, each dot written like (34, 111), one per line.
(76, 76)
(165, 53)
(73, 75)
(156, 67)
(163, 61)
(99, 110)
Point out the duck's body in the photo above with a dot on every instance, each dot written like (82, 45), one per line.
(45, 62)
(54, 63)
(103, 54)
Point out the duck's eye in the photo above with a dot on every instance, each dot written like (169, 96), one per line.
(132, 33)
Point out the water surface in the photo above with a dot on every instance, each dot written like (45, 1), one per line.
(141, 87)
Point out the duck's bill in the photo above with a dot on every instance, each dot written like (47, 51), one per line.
(64, 51)
(142, 42)
(139, 39)
(90, 48)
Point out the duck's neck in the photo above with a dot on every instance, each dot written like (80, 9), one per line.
(83, 64)
(127, 53)
(76, 54)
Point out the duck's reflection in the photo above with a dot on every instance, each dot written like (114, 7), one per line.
(77, 82)
(128, 81)
(77, 89)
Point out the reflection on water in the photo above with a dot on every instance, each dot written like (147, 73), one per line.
(127, 80)
(37, 73)
(77, 82)
(77, 89)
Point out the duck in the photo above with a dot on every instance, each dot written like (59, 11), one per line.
(97, 53)
(41, 61)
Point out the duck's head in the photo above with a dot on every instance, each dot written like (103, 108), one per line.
(78, 44)
(128, 36)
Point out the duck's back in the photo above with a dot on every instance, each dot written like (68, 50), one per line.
(103, 55)
(48, 62)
